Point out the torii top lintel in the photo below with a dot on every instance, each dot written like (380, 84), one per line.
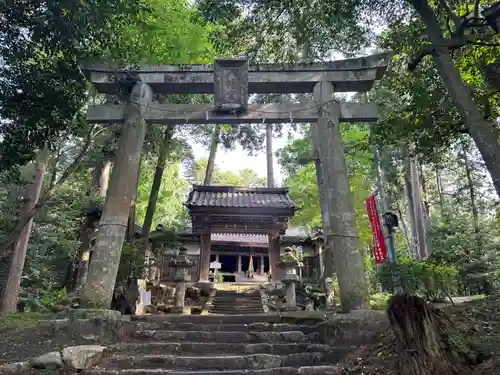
(350, 75)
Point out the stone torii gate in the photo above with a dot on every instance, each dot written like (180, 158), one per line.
(231, 81)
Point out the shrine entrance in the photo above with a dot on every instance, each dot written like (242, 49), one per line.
(245, 211)
(231, 82)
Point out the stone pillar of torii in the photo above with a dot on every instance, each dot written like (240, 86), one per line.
(231, 81)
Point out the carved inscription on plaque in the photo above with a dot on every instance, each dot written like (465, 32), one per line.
(231, 85)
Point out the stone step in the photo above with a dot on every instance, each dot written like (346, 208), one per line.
(211, 319)
(305, 370)
(221, 336)
(252, 327)
(237, 303)
(237, 299)
(237, 307)
(229, 312)
(239, 310)
(212, 362)
(191, 348)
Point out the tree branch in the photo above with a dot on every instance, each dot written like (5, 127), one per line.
(476, 9)
(45, 197)
(484, 44)
(451, 44)
(451, 14)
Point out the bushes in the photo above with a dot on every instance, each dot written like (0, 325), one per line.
(423, 278)
(378, 301)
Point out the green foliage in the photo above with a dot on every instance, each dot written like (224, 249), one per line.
(378, 301)
(244, 177)
(170, 210)
(415, 105)
(42, 89)
(288, 31)
(424, 278)
(302, 182)
(170, 33)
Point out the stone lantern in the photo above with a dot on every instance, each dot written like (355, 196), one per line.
(289, 263)
(182, 265)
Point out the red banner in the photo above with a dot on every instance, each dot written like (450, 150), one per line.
(379, 248)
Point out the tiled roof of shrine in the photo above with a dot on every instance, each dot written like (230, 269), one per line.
(230, 196)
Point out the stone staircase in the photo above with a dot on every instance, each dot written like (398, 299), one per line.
(217, 345)
(234, 303)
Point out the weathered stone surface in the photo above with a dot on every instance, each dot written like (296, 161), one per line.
(52, 360)
(346, 75)
(372, 315)
(54, 327)
(94, 314)
(201, 114)
(318, 370)
(82, 356)
(274, 371)
(302, 359)
(263, 361)
(228, 337)
(224, 362)
(182, 345)
(293, 336)
(17, 368)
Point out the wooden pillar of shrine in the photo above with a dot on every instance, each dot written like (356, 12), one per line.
(274, 256)
(204, 263)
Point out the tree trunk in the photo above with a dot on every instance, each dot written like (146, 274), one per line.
(439, 186)
(419, 210)
(425, 196)
(122, 191)
(480, 130)
(269, 155)
(8, 302)
(131, 215)
(470, 186)
(426, 339)
(155, 188)
(211, 156)
(411, 210)
(405, 233)
(55, 161)
(101, 177)
(46, 196)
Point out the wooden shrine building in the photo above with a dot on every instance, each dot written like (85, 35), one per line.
(243, 229)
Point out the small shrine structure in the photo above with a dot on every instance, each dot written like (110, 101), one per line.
(226, 209)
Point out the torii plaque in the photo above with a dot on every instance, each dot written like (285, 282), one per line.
(231, 86)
